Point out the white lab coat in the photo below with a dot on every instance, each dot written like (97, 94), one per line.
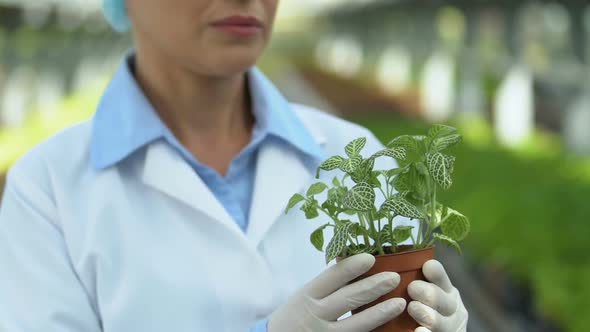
(144, 245)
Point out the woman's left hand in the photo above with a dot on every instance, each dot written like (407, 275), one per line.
(437, 304)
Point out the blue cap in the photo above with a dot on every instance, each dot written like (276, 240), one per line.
(116, 14)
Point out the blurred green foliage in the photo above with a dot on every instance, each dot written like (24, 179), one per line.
(529, 210)
(39, 125)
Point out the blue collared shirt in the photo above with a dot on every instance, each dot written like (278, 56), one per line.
(135, 124)
(125, 122)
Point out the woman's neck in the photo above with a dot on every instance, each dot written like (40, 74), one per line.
(210, 116)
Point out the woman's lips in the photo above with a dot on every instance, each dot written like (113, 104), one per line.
(241, 26)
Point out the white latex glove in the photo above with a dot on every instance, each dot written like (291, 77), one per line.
(317, 306)
(437, 304)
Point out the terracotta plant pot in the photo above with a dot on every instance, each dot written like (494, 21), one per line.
(409, 266)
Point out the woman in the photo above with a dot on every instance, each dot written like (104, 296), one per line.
(164, 211)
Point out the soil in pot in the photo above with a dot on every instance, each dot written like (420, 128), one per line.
(409, 266)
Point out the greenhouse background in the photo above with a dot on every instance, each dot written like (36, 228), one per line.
(513, 76)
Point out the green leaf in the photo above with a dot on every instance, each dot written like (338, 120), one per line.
(422, 169)
(332, 210)
(450, 163)
(439, 214)
(405, 141)
(439, 168)
(411, 181)
(402, 207)
(336, 195)
(316, 188)
(350, 165)
(317, 238)
(455, 225)
(402, 233)
(360, 249)
(358, 230)
(335, 181)
(330, 164)
(374, 180)
(354, 148)
(447, 241)
(419, 183)
(338, 243)
(349, 212)
(294, 201)
(440, 130)
(394, 171)
(360, 198)
(310, 209)
(402, 182)
(443, 143)
(398, 153)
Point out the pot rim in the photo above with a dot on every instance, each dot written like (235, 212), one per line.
(406, 252)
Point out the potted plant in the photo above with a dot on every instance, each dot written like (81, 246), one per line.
(409, 190)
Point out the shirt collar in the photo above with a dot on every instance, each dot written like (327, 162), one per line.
(125, 120)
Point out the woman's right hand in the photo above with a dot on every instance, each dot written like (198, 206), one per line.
(321, 302)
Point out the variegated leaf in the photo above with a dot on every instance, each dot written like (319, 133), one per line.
(402, 207)
(438, 166)
(440, 130)
(448, 241)
(350, 165)
(338, 243)
(330, 164)
(336, 195)
(402, 182)
(455, 225)
(398, 153)
(363, 171)
(406, 142)
(362, 248)
(450, 163)
(385, 235)
(445, 142)
(360, 198)
(354, 148)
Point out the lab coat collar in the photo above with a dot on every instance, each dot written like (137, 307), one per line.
(280, 172)
(125, 120)
(166, 171)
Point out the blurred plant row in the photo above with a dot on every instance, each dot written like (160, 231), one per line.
(529, 212)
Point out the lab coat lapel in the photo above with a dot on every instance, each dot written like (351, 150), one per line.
(166, 171)
(279, 174)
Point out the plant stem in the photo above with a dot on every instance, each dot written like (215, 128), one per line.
(376, 233)
(384, 195)
(393, 244)
(418, 242)
(433, 218)
(363, 224)
(413, 240)
(338, 222)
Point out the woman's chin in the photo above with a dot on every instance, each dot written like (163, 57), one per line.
(227, 66)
